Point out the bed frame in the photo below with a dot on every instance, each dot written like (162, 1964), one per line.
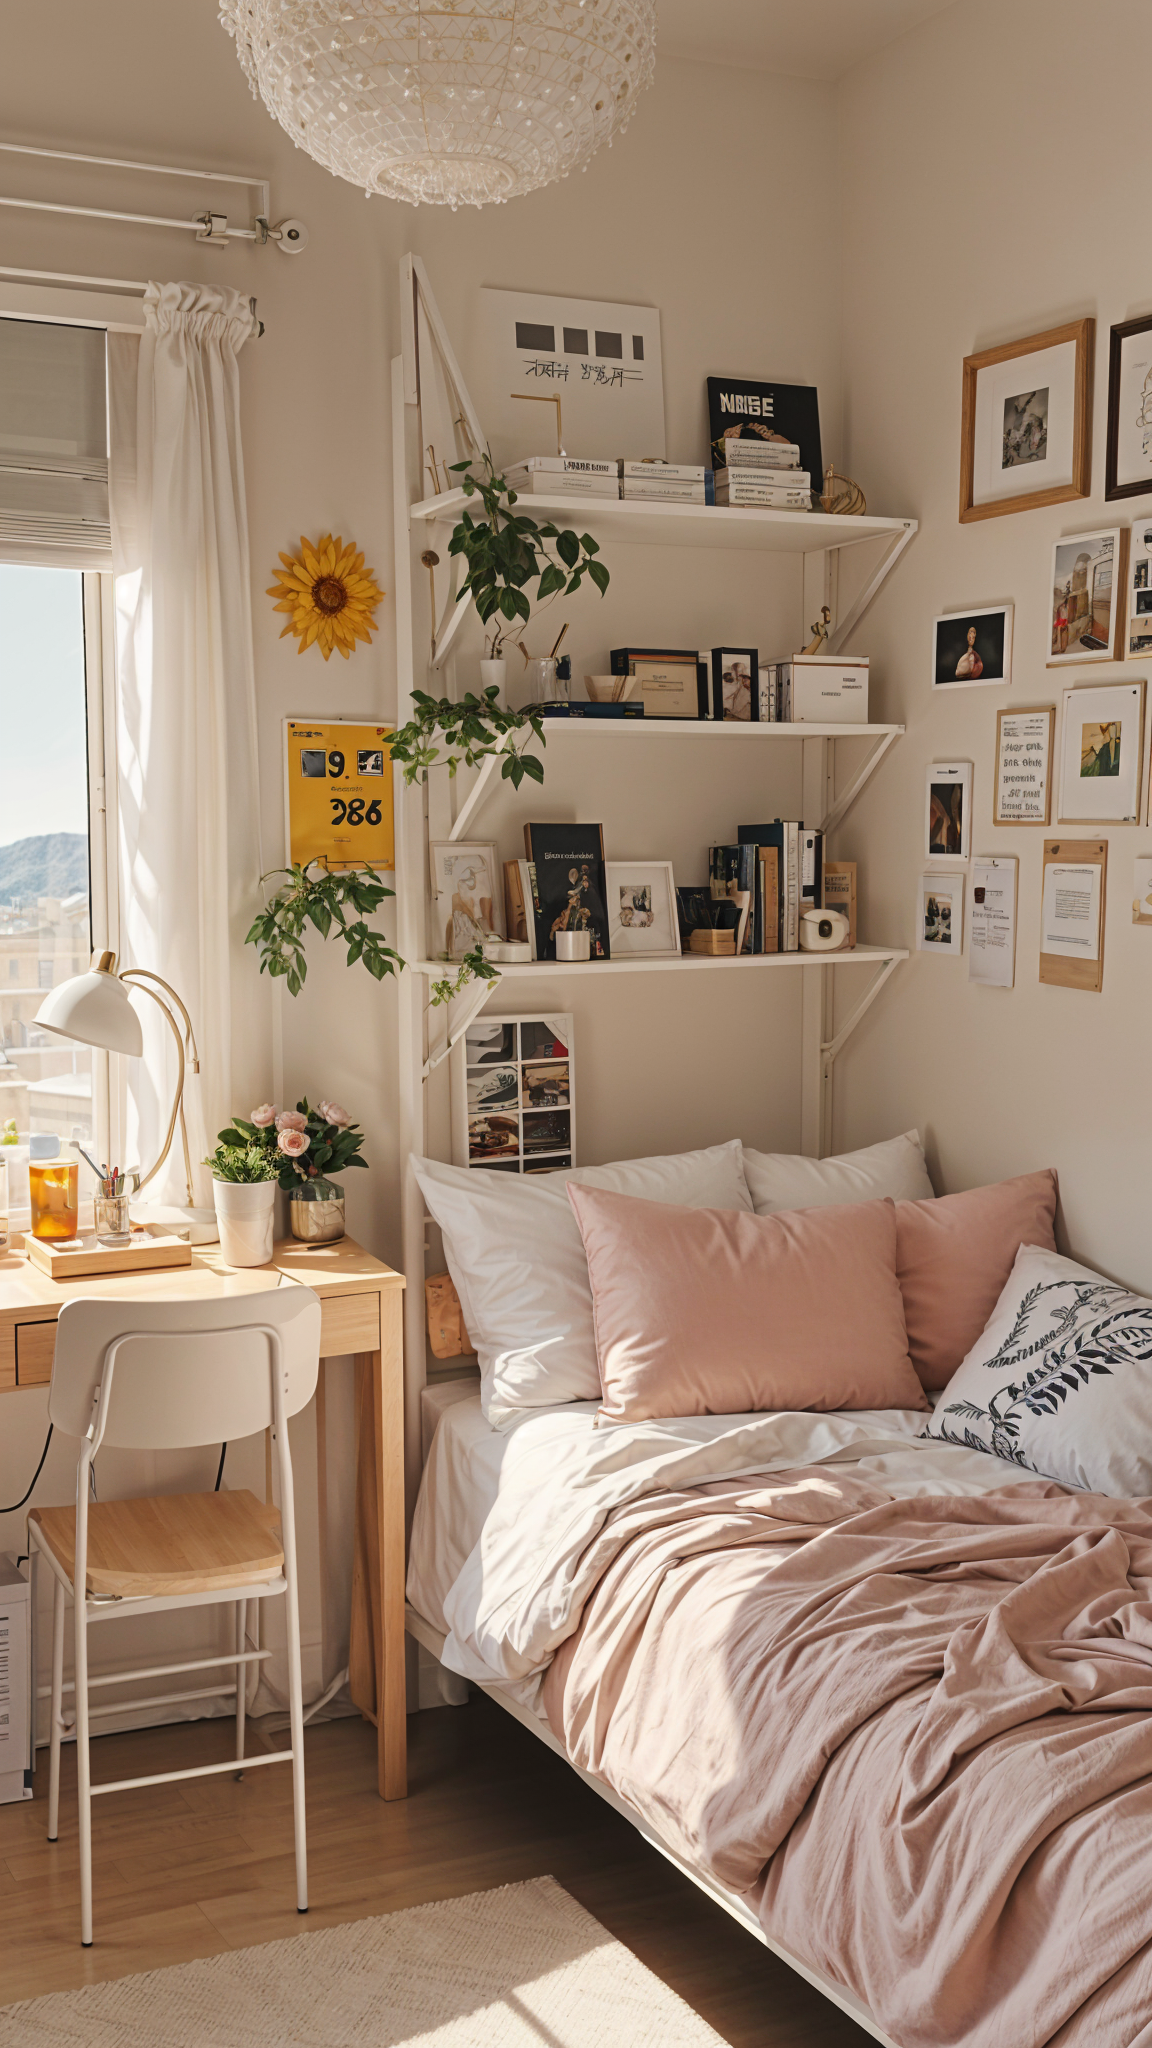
(433, 417)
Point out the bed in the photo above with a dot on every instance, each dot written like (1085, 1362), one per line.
(885, 1698)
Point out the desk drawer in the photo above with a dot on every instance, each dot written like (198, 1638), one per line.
(35, 1350)
(349, 1322)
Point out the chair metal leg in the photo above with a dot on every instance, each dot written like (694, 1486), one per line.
(296, 1717)
(241, 1680)
(83, 1776)
(56, 1710)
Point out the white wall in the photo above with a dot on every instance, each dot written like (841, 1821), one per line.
(987, 195)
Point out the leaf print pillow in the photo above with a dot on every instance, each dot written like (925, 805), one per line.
(1060, 1382)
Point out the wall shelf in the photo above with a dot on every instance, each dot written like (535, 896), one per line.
(593, 969)
(687, 526)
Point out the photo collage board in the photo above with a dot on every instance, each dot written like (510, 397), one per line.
(513, 1094)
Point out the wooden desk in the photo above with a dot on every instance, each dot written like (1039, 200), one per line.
(361, 1312)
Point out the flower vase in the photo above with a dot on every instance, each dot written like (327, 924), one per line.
(495, 672)
(246, 1215)
(316, 1218)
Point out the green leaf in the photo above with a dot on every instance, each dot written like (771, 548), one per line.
(599, 575)
(568, 549)
(532, 767)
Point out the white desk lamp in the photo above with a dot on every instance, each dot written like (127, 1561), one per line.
(94, 1009)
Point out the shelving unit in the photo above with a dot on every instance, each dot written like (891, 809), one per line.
(431, 405)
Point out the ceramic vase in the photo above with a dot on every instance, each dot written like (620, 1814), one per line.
(246, 1215)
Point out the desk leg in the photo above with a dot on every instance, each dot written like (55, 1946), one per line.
(376, 1656)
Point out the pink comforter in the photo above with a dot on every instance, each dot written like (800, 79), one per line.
(916, 1733)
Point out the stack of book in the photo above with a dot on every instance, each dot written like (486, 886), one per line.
(776, 871)
(686, 483)
(564, 476)
(765, 473)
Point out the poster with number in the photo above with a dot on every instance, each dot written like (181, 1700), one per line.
(338, 793)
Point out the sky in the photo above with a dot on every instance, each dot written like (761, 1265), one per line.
(43, 746)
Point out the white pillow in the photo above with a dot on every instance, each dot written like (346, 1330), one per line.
(517, 1261)
(784, 1180)
(1060, 1382)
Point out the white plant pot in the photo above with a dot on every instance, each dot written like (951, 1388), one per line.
(495, 672)
(246, 1214)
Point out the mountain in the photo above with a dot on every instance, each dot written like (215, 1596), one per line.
(52, 864)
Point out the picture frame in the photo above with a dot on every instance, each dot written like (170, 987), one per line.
(972, 649)
(1128, 448)
(1087, 609)
(948, 811)
(514, 1094)
(940, 914)
(643, 914)
(1139, 627)
(1023, 787)
(1073, 897)
(1026, 420)
(467, 896)
(1142, 889)
(1102, 754)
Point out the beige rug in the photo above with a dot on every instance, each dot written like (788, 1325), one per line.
(522, 1967)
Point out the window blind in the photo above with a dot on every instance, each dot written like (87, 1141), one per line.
(54, 445)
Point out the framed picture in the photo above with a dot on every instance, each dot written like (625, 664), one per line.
(642, 911)
(1026, 423)
(1128, 457)
(972, 647)
(1102, 754)
(1142, 889)
(514, 1094)
(940, 915)
(948, 811)
(1023, 793)
(467, 897)
(1086, 606)
(1140, 589)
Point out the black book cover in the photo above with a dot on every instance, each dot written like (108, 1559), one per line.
(734, 867)
(765, 411)
(775, 835)
(570, 893)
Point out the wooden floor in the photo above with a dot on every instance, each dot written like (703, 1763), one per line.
(192, 1869)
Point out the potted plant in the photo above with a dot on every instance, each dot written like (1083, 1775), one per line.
(244, 1178)
(304, 1149)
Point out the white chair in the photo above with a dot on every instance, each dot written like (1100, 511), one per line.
(167, 1375)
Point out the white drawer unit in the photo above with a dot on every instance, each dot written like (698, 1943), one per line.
(16, 1720)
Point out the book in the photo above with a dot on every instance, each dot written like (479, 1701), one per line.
(767, 933)
(761, 410)
(811, 870)
(840, 893)
(784, 836)
(672, 681)
(539, 484)
(761, 478)
(569, 885)
(664, 472)
(735, 683)
(674, 494)
(732, 493)
(755, 455)
(732, 873)
(566, 465)
(579, 709)
(517, 903)
(768, 693)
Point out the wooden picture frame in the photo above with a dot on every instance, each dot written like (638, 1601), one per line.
(1080, 332)
(1031, 727)
(1141, 486)
(1103, 706)
(1057, 970)
(1099, 559)
(1142, 889)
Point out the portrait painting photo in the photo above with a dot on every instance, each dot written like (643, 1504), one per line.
(1025, 437)
(972, 647)
(1100, 749)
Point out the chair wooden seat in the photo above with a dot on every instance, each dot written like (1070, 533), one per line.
(166, 1544)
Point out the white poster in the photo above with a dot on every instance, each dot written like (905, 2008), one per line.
(601, 361)
(1070, 913)
(992, 927)
(1023, 767)
(1025, 412)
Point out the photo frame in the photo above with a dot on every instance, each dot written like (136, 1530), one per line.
(1128, 451)
(973, 648)
(948, 811)
(467, 896)
(1087, 608)
(643, 916)
(1026, 423)
(514, 1094)
(1023, 787)
(1139, 631)
(940, 914)
(1142, 889)
(1102, 754)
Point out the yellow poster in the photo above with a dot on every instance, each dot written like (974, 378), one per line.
(339, 793)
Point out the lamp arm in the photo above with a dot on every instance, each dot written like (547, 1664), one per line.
(141, 975)
(146, 974)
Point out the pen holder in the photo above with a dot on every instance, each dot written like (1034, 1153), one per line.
(110, 1214)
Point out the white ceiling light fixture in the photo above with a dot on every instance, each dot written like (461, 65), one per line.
(464, 103)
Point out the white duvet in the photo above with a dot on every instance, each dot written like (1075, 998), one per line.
(544, 1544)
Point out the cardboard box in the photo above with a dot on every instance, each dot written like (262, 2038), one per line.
(826, 689)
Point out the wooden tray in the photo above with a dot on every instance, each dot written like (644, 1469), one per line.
(147, 1250)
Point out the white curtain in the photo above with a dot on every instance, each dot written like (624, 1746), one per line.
(189, 847)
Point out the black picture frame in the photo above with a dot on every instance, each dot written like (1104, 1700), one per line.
(1117, 336)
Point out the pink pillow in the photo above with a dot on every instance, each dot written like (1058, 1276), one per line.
(716, 1312)
(953, 1258)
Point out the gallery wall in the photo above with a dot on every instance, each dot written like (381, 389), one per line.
(976, 210)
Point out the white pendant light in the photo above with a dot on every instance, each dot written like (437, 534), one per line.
(458, 104)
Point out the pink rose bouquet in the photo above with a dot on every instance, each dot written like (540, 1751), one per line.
(302, 1146)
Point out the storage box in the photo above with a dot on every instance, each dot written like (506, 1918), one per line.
(825, 689)
(16, 1707)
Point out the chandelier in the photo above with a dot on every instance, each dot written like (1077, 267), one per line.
(464, 103)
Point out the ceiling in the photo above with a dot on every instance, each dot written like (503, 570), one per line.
(800, 38)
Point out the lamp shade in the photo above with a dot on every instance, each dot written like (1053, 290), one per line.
(95, 1009)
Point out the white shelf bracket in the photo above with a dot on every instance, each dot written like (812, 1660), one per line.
(844, 803)
(856, 610)
(835, 1045)
(477, 796)
(465, 1008)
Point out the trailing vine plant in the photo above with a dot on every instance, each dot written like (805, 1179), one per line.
(324, 900)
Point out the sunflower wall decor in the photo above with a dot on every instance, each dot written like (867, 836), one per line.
(328, 594)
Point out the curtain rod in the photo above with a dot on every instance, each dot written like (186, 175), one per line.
(117, 163)
(290, 236)
(121, 284)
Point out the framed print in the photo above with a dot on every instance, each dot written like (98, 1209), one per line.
(642, 912)
(972, 647)
(338, 793)
(1102, 754)
(1128, 457)
(467, 897)
(948, 812)
(1142, 889)
(1072, 913)
(1086, 603)
(514, 1094)
(940, 914)
(1023, 794)
(1139, 642)
(1026, 423)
